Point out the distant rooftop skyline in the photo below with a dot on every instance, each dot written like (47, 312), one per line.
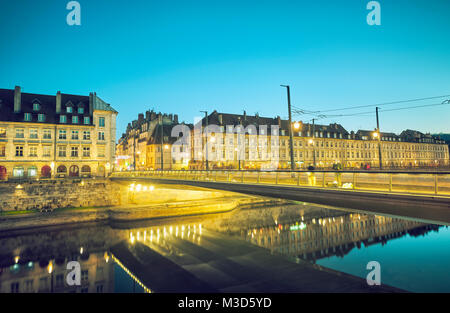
(182, 57)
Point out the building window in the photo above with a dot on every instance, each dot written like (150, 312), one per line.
(19, 151)
(84, 275)
(69, 109)
(86, 151)
(86, 135)
(2, 150)
(62, 134)
(20, 133)
(101, 136)
(15, 287)
(46, 151)
(74, 119)
(47, 134)
(27, 117)
(86, 120)
(74, 134)
(101, 122)
(74, 152)
(2, 132)
(35, 106)
(80, 110)
(60, 280)
(63, 119)
(33, 151)
(62, 151)
(33, 133)
(41, 117)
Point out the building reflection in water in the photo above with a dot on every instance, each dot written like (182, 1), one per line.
(50, 275)
(315, 233)
(37, 262)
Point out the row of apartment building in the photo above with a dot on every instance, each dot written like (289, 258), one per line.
(60, 135)
(233, 141)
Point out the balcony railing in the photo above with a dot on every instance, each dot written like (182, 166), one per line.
(437, 183)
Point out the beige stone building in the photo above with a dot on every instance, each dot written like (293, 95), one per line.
(43, 136)
(322, 146)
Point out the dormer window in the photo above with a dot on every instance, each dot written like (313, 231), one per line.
(69, 109)
(27, 117)
(80, 110)
(36, 106)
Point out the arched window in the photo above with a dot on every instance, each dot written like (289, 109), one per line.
(32, 171)
(46, 171)
(74, 171)
(3, 172)
(85, 169)
(62, 169)
(18, 171)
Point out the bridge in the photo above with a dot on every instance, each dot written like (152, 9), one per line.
(421, 195)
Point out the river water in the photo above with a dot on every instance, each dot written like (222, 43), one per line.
(413, 255)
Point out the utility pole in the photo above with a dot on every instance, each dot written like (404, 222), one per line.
(379, 140)
(206, 139)
(291, 141)
(134, 151)
(314, 136)
(162, 144)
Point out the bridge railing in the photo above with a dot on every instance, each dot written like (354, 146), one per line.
(437, 183)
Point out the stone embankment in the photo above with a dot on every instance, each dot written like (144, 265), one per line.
(54, 194)
(127, 214)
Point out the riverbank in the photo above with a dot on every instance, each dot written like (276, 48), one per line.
(129, 213)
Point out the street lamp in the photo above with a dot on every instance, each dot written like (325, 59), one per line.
(206, 138)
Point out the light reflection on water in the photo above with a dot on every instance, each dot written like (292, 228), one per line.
(413, 255)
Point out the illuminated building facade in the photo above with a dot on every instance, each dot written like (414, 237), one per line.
(140, 146)
(45, 136)
(322, 146)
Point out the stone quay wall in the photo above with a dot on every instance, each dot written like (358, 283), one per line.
(59, 193)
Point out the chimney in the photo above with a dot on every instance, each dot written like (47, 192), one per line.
(147, 115)
(58, 102)
(17, 99)
(175, 118)
(91, 102)
(279, 121)
(140, 117)
(220, 119)
(245, 115)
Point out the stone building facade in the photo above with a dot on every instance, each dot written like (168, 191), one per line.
(44, 136)
(234, 141)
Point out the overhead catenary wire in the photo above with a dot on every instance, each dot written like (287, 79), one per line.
(445, 102)
(303, 111)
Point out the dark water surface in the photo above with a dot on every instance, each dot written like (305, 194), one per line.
(413, 255)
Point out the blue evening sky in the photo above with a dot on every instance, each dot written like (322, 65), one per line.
(190, 55)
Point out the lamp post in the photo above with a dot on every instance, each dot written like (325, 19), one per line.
(206, 139)
(379, 140)
(290, 127)
(238, 157)
(162, 143)
(313, 143)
